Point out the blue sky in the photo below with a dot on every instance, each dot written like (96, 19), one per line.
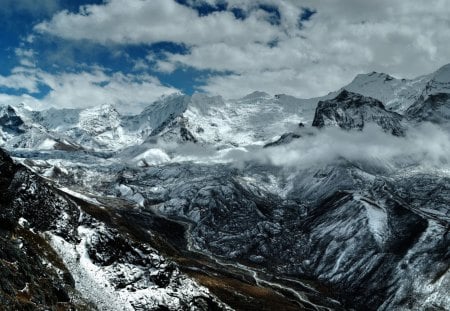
(69, 53)
(54, 54)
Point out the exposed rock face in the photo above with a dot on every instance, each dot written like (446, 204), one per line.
(435, 108)
(353, 111)
(9, 120)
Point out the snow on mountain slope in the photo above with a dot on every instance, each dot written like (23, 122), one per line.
(158, 114)
(98, 128)
(399, 94)
(67, 247)
(53, 119)
(251, 120)
(395, 94)
(439, 82)
(17, 130)
(93, 128)
(10, 122)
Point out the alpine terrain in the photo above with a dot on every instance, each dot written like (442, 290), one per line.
(258, 203)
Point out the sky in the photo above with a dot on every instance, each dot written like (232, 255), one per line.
(83, 53)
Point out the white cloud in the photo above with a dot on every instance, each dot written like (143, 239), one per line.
(137, 21)
(130, 93)
(24, 52)
(344, 38)
(19, 80)
(26, 57)
(282, 81)
(427, 145)
(28, 101)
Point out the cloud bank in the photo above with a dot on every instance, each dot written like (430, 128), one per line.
(426, 145)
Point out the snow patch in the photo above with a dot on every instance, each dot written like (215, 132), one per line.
(152, 156)
(376, 217)
(47, 144)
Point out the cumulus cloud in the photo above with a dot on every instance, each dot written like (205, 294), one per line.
(295, 55)
(343, 39)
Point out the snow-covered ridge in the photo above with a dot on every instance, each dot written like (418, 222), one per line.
(255, 119)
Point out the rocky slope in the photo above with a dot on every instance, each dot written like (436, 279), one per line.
(59, 252)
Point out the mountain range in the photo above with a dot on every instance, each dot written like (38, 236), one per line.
(259, 203)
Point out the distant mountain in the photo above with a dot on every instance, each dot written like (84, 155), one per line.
(399, 94)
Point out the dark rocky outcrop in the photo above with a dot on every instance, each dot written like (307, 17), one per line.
(354, 111)
(435, 108)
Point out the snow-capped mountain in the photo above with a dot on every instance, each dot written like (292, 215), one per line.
(181, 207)
(253, 119)
(439, 82)
(399, 94)
(395, 94)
